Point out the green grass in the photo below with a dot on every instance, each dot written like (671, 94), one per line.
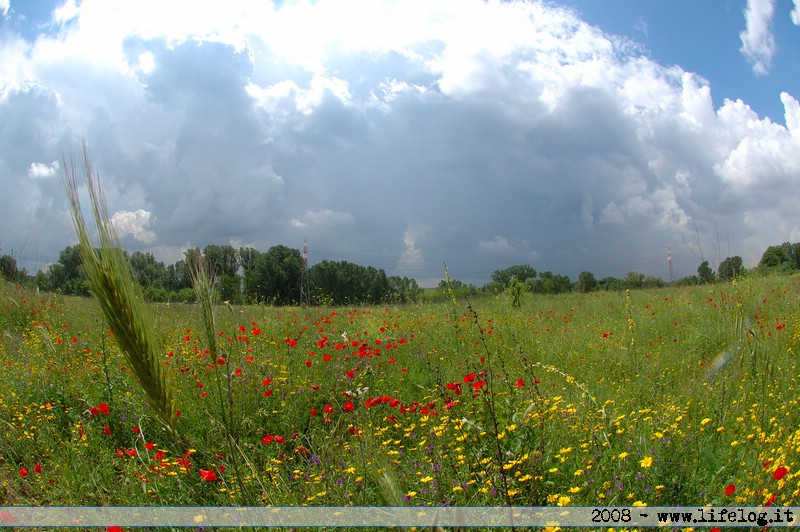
(578, 399)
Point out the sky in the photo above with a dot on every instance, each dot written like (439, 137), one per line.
(571, 135)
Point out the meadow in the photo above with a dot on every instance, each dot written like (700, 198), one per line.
(663, 397)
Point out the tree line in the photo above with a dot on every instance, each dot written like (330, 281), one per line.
(246, 275)
(276, 277)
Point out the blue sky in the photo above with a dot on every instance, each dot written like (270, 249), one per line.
(703, 36)
(573, 135)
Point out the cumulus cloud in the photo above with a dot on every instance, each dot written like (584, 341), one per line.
(37, 170)
(758, 42)
(479, 133)
(133, 223)
(795, 14)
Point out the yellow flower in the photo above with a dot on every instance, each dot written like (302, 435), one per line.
(646, 462)
(706, 421)
(426, 479)
(563, 501)
(622, 456)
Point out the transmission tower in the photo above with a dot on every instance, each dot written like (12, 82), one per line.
(305, 293)
(669, 261)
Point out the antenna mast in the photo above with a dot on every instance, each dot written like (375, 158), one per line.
(669, 261)
(305, 295)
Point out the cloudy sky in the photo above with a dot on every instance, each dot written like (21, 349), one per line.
(572, 135)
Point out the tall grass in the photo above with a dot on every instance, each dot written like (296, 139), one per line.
(111, 281)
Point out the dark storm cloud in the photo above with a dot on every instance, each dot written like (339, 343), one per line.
(537, 140)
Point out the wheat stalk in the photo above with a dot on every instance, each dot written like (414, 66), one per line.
(111, 281)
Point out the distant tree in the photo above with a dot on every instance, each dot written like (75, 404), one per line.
(778, 257)
(586, 282)
(276, 276)
(610, 283)
(634, 280)
(730, 268)
(222, 260)
(550, 283)
(8, 268)
(705, 273)
(176, 277)
(67, 274)
(522, 272)
(403, 289)
(248, 258)
(147, 270)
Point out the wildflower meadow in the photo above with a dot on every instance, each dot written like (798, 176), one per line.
(673, 396)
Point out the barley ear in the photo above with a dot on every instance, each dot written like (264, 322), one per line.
(111, 281)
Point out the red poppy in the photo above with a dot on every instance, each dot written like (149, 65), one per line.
(207, 475)
(520, 383)
(23, 472)
(328, 409)
(37, 468)
(113, 529)
(308, 363)
(94, 411)
(469, 378)
(730, 490)
(780, 473)
(267, 439)
(348, 406)
(770, 500)
(477, 385)
(149, 445)
(313, 411)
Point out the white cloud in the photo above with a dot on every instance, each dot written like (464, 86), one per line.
(134, 223)
(501, 123)
(758, 42)
(795, 14)
(412, 256)
(499, 244)
(5, 5)
(39, 170)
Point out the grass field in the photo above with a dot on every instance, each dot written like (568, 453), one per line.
(675, 396)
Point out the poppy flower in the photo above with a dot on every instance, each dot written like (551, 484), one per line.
(103, 409)
(469, 378)
(348, 406)
(328, 409)
(520, 383)
(780, 473)
(730, 490)
(37, 468)
(23, 472)
(208, 475)
(113, 529)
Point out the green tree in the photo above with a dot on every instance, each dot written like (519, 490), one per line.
(276, 276)
(522, 272)
(8, 268)
(730, 268)
(222, 260)
(778, 257)
(705, 273)
(586, 282)
(147, 270)
(403, 289)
